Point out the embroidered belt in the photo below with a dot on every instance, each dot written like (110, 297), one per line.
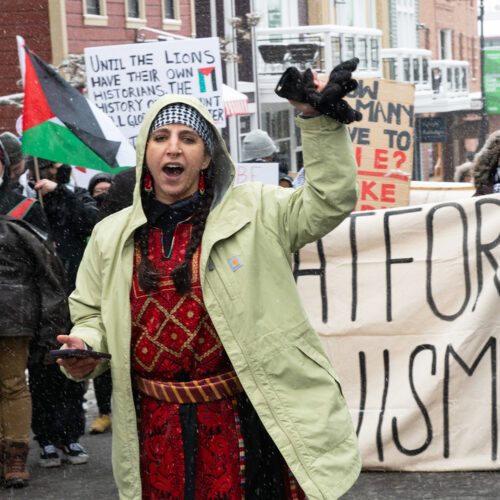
(194, 391)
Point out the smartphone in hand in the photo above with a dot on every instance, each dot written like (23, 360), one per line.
(78, 353)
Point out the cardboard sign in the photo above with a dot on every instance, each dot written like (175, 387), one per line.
(267, 173)
(408, 309)
(124, 80)
(383, 141)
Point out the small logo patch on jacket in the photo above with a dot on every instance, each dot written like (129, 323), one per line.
(235, 263)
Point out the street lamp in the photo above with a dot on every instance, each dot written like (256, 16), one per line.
(483, 127)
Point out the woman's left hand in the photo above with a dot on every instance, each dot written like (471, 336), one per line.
(305, 108)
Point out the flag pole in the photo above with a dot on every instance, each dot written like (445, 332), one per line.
(37, 177)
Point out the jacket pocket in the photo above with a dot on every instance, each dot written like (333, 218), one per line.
(307, 398)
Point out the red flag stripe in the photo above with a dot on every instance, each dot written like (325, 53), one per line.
(36, 108)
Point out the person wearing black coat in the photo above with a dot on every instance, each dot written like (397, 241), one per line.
(10, 199)
(120, 194)
(71, 211)
(35, 310)
(58, 414)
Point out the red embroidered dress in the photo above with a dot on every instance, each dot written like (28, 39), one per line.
(211, 450)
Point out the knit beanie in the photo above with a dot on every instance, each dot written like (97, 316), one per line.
(257, 145)
(12, 147)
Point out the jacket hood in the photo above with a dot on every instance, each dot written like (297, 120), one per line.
(6, 166)
(486, 161)
(222, 164)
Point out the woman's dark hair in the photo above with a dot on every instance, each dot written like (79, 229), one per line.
(148, 276)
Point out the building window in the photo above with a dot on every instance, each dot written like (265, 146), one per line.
(171, 15)
(274, 13)
(136, 14)
(93, 7)
(133, 9)
(406, 22)
(169, 6)
(445, 50)
(94, 13)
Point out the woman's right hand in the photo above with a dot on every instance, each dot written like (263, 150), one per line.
(76, 367)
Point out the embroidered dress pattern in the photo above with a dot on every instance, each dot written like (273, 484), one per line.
(193, 450)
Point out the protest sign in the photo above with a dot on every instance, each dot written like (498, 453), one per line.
(383, 141)
(124, 80)
(267, 173)
(407, 308)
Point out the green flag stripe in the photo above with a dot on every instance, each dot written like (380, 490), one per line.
(54, 142)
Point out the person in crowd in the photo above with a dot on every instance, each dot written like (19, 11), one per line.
(259, 147)
(285, 180)
(12, 146)
(120, 194)
(34, 306)
(99, 186)
(71, 213)
(486, 166)
(221, 387)
(15, 204)
(58, 414)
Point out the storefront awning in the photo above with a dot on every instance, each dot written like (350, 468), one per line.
(235, 103)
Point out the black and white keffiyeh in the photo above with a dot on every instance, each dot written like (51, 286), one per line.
(186, 115)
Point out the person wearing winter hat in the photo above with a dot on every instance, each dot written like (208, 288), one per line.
(217, 372)
(257, 145)
(12, 147)
(99, 186)
(486, 167)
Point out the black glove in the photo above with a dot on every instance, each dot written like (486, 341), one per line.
(300, 87)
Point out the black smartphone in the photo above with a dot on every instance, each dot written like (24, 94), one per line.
(78, 353)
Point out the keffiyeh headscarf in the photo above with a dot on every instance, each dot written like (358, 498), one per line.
(186, 115)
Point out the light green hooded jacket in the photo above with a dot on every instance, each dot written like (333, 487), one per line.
(256, 308)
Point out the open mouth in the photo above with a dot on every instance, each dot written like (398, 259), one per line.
(173, 170)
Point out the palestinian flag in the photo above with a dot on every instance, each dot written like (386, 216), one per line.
(61, 125)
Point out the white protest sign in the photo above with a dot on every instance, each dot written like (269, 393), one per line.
(124, 80)
(267, 173)
(407, 305)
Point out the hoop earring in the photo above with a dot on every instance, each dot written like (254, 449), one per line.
(202, 182)
(148, 182)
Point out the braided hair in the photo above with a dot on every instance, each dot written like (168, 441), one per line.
(148, 276)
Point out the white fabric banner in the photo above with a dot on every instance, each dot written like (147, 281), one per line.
(407, 305)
